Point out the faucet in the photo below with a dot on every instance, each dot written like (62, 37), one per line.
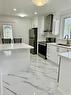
(67, 37)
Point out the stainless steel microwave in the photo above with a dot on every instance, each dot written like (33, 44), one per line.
(50, 40)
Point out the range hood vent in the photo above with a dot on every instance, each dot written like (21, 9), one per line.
(48, 23)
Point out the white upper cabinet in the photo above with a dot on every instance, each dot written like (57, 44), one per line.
(56, 22)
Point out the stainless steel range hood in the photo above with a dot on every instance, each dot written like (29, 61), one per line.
(48, 23)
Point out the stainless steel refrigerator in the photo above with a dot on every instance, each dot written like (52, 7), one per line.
(33, 40)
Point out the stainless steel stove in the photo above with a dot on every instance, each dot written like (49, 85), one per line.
(42, 47)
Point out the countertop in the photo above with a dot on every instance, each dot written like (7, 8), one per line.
(55, 44)
(66, 55)
(15, 46)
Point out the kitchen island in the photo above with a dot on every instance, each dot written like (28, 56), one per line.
(14, 57)
(65, 73)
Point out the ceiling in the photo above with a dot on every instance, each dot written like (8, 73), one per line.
(27, 7)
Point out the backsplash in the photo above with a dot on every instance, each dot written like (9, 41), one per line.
(47, 34)
(63, 41)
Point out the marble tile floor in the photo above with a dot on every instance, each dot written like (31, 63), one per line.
(41, 79)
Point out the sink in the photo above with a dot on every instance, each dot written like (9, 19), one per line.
(64, 44)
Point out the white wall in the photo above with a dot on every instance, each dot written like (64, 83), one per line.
(34, 21)
(20, 26)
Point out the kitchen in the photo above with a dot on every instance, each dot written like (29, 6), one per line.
(51, 50)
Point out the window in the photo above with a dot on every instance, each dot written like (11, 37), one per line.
(7, 31)
(67, 27)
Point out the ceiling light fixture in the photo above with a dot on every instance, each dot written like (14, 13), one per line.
(39, 2)
(35, 13)
(14, 9)
(22, 15)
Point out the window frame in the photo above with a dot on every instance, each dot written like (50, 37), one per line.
(62, 20)
(64, 25)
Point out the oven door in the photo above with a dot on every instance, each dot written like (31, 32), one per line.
(42, 50)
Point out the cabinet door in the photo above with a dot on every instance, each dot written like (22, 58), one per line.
(55, 27)
(52, 53)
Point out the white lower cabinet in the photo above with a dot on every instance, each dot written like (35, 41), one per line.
(52, 53)
(53, 50)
